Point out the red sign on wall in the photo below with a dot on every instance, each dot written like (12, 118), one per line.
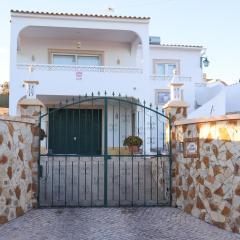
(79, 74)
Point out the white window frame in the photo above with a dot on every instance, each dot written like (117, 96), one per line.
(166, 61)
(157, 92)
(76, 53)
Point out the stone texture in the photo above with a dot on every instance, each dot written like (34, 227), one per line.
(1, 139)
(214, 175)
(16, 140)
(199, 203)
(3, 159)
(237, 190)
(226, 211)
(3, 219)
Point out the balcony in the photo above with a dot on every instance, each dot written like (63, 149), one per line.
(78, 80)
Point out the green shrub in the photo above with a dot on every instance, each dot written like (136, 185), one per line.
(133, 141)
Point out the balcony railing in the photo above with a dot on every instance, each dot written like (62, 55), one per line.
(169, 78)
(78, 80)
(74, 68)
(199, 84)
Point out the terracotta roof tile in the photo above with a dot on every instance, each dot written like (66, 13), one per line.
(79, 15)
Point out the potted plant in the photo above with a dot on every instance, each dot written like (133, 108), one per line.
(133, 143)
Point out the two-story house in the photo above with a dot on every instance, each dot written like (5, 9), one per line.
(70, 55)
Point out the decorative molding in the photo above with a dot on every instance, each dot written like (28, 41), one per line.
(105, 69)
(181, 79)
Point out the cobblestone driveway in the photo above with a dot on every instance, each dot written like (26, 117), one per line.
(111, 224)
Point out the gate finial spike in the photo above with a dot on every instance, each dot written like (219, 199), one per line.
(138, 100)
(113, 94)
(105, 93)
(119, 94)
(86, 95)
(98, 93)
(79, 97)
(150, 105)
(126, 96)
(92, 94)
(157, 108)
(144, 102)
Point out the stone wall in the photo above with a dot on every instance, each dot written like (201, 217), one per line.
(208, 186)
(176, 111)
(18, 167)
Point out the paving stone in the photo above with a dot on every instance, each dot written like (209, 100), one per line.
(111, 224)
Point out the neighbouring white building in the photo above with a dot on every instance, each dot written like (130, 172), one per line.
(70, 55)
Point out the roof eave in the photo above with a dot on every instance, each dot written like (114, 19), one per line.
(17, 13)
(190, 47)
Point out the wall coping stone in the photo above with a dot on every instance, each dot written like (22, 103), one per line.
(30, 102)
(18, 119)
(208, 119)
(174, 103)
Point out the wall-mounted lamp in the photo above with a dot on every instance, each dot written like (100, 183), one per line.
(204, 62)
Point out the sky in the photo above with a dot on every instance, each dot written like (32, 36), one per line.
(214, 24)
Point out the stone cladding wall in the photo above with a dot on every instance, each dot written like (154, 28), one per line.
(18, 167)
(208, 186)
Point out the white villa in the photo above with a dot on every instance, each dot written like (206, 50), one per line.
(59, 56)
(75, 54)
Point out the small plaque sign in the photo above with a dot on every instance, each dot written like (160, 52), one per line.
(191, 148)
(79, 74)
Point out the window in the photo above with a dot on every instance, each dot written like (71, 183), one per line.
(70, 58)
(162, 96)
(64, 59)
(165, 67)
(88, 60)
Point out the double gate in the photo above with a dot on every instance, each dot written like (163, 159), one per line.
(83, 161)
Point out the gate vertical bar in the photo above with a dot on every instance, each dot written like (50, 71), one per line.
(157, 152)
(144, 149)
(105, 149)
(39, 159)
(119, 152)
(163, 137)
(170, 160)
(92, 151)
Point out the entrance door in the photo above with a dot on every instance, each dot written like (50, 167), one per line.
(75, 131)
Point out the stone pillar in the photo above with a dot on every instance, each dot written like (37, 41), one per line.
(30, 108)
(177, 110)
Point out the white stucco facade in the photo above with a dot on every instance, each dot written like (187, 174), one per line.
(128, 61)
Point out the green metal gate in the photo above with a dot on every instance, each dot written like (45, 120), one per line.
(83, 161)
